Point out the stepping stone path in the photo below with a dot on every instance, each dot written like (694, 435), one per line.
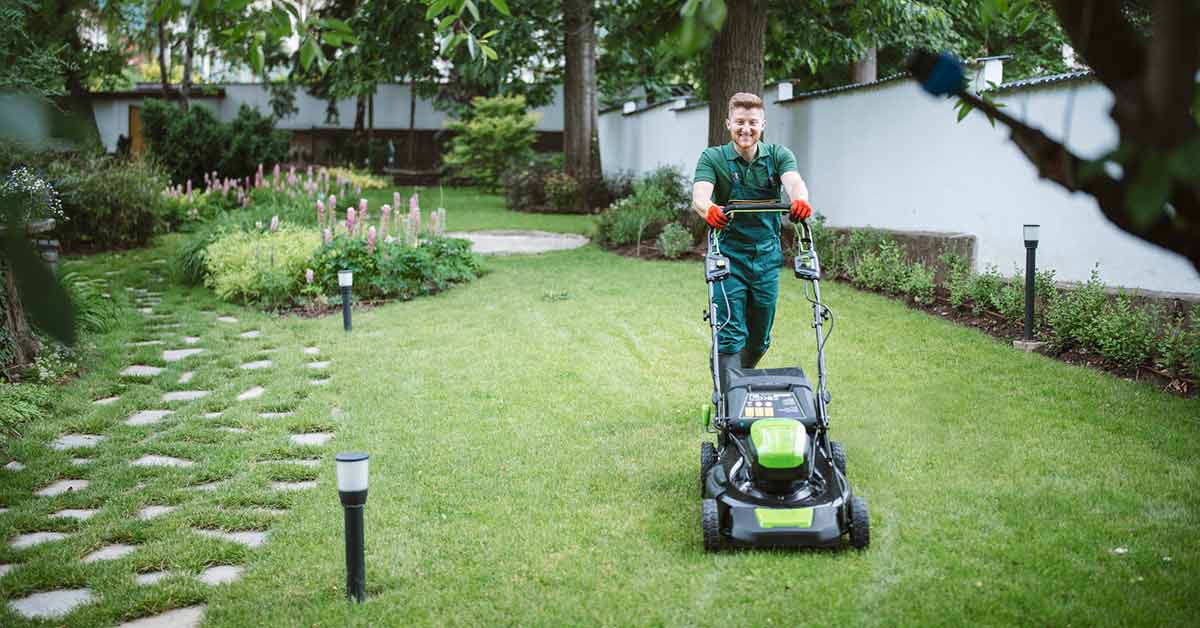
(233, 430)
(184, 395)
(208, 486)
(312, 350)
(251, 393)
(5, 569)
(189, 617)
(51, 604)
(275, 415)
(146, 343)
(14, 466)
(147, 417)
(249, 538)
(21, 541)
(82, 514)
(227, 319)
(106, 401)
(175, 355)
(151, 460)
(75, 441)
(319, 382)
(510, 242)
(250, 334)
(258, 364)
(293, 486)
(186, 376)
(79, 462)
(304, 462)
(60, 487)
(150, 512)
(318, 365)
(151, 577)
(213, 415)
(190, 340)
(315, 438)
(141, 370)
(221, 574)
(110, 552)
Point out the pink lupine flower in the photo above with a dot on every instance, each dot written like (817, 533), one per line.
(308, 275)
(332, 205)
(371, 239)
(396, 200)
(327, 235)
(384, 212)
(274, 223)
(414, 202)
(320, 213)
(189, 187)
(350, 221)
(275, 173)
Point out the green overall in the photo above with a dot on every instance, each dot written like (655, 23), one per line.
(751, 242)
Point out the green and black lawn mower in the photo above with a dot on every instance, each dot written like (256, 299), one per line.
(774, 477)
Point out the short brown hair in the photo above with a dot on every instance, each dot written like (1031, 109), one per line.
(745, 101)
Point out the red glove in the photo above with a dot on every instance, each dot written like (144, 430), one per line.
(801, 210)
(716, 217)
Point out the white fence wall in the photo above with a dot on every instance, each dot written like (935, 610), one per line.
(891, 157)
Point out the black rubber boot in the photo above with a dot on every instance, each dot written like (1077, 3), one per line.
(750, 358)
(726, 361)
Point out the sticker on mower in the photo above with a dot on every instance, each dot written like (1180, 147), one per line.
(771, 405)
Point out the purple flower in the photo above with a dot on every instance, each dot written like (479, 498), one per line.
(350, 221)
(396, 200)
(371, 239)
(308, 276)
(414, 203)
(320, 213)
(327, 235)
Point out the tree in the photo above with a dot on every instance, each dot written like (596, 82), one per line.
(1149, 186)
(579, 90)
(734, 61)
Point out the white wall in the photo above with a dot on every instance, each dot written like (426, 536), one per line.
(892, 157)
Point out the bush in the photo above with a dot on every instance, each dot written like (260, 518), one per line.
(918, 283)
(394, 270)
(527, 189)
(94, 311)
(562, 190)
(189, 263)
(109, 202)
(674, 240)
(957, 278)
(22, 403)
(1126, 334)
(1072, 317)
(984, 289)
(659, 198)
(1179, 347)
(192, 144)
(496, 137)
(264, 268)
(880, 269)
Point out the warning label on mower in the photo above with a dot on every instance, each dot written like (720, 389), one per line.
(771, 404)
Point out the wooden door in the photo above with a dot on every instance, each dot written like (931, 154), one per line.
(136, 143)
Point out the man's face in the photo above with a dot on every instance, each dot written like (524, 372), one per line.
(745, 126)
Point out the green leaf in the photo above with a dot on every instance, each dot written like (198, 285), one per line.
(964, 109)
(337, 25)
(473, 9)
(488, 51)
(435, 8)
(256, 58)
(333, 39)
(471, 45)
(1184, 162)
(1149, 192)
(308, 51)
(488, 35)
(501, 6)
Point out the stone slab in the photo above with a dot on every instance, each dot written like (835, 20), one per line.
(213, 415)
(1029, 346)
(51, 604)
(79, 462)
(151, 577)
(191, 340)
(315, 438)
(82, 514)
(141, 370)
(253, 333)
(145, 343)
(258, 364)
(30, 539)
(251, 393)
(60, 487)
(207, 487)
(304, 462)
(110, 552)
(312, 350)
(5, 568)
(175, 355)
(76, 441)
(189, 617)
(319, 382)
(185, 395)
(319, 365)
(151, 460)
(107, 400)
(227, 319)
(186, 376)
(233, 430)
(293, 486)
(249, 538)
(147, 417)
(14, 466)
(150, 512)
(221, 574)
(275, 415)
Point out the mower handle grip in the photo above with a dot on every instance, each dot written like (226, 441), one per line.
(735, 208)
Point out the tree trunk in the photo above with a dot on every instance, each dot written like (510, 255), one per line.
(734, 62)
(579, 89)
(865, 69)
(24, 344)
(412, 124)
(189, 49)
(360, 115)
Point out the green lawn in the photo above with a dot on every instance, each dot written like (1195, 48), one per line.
(534, 443)
(468, 209)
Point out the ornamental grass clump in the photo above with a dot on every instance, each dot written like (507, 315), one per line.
(260, 267)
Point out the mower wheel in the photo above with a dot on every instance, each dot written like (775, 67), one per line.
(839, 456)
(860, 523)
(710, 520)
(708, 459)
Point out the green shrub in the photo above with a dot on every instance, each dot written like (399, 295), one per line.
(562, 190)
(657, 199)
(1126, 334)
(526, 190)
(109, 202)
(846, 251)
(496, 137)
(1179, 348)
(918, 283)
(253, 140)
(984, 288)
(1009, 300)
(23, 403)
(674, 240)
(957, 277)
(264, 268)
(394, 270)
(1073, 316)
(192, 144)
(881, 269)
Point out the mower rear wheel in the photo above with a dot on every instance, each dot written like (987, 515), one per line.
(839, 456)
(860, 523)
(710, 520)
(708, 459)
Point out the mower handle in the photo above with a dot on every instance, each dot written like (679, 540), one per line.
(738, 208)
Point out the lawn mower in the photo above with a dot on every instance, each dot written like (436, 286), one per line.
(774, 478)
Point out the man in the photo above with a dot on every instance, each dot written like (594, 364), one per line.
(747, 169)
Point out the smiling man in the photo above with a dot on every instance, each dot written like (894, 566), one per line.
(747, 170)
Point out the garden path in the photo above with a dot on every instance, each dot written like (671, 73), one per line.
(513, 242)
(113, 497)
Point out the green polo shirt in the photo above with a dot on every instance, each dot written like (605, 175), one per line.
(713, 167)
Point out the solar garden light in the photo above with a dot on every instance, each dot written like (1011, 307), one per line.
(1031, 242)
(352, 491)
(345, 282)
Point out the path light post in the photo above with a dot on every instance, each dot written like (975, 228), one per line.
(352, 491)
(345, 282)
(1031, 242)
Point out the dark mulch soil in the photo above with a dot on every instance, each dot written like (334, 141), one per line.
(988, 322)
